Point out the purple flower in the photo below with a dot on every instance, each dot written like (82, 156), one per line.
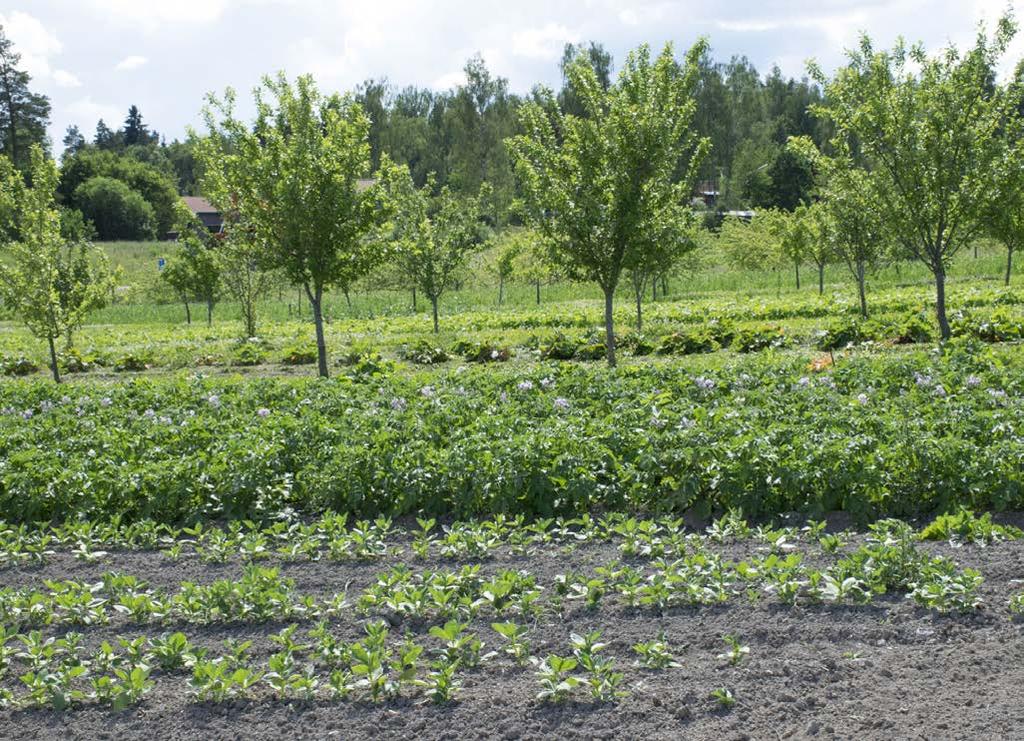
(973, 381)
(427, 391)
(27, 414)
(704, 384)
(526, 385)
(939, 390)
(561, 403)
(399, 404)
(804, 382)
(546, 383)
(105, 401)
(502, 397)
(213, 400)
(263, 412)
(862, 399)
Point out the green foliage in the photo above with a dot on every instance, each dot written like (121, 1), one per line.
(50, 284)
(115, 210)
(926, 141)
(293, 178)
(965, 526)
(603, 188)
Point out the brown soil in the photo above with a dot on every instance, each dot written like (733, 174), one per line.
(884, 671)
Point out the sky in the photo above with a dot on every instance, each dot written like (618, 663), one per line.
(95, 58)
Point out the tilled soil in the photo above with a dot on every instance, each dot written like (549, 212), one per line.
(886, 670)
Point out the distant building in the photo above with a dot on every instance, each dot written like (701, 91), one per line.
(708, 192)
(205, 212)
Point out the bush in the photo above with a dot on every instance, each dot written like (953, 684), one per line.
(247, 353)
(131, 363)
(841, 334)
(115, 210)
(71, 361)
(637, 344)
(299, 355)
(558, 347)
(21, 366)
(999, 326)
(482, 352)
(755, 339)
(687, 343)
(423, 353)
(912, 330)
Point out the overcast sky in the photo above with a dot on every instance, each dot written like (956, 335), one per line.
(94, 58)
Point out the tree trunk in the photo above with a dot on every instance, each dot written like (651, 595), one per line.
(821, 279)
(53, 360)
(1009, 264)
(69, 342)
(316, 303)
(940, 300)
(609, 328)
(433, 305)
(188, 314)
(654, 290)
(414, 299)
(975, 249)
(664, 286)
(348, 301)
(209, 313)
(797, 266)
(860, 290)
(638, 291)
(538, 291)
(501, 290)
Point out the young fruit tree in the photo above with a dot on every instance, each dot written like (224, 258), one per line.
(601, 188)
(50, 283)
(435, 235)
(241, 275)
(933, 132)
(293, 177)
(851, 222)
(194, 272)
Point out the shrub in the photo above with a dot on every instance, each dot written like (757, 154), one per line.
(117, 211)
(247, 353)
(72, 361)
(688, 343)
(131, 363)
(637, 344)
(299, 355)
(755, 339)
(21, 366)
(424, 353)
(482, 352)
(558, 347)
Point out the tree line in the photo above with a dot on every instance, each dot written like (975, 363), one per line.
(899, 153)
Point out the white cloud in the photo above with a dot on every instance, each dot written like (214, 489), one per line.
(152, 15)
(129, 63)
(33, 41)
(542, 43)
(87, 110)
(63, 78)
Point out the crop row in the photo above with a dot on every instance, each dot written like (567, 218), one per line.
(331, 537)
(873, 435)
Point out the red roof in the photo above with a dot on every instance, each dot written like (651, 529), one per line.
(199, 205)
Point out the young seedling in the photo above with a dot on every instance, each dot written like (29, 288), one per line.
(724, 697)
(517, 646)
(556, 680)
(736, 650)
(441, 684)
(655, 654)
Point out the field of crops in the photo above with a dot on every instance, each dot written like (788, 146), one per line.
(592, 626)
(488, 529)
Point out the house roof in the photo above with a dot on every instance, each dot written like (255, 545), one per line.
(199, 205)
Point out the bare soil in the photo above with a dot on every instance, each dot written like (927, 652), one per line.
(889, 670)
